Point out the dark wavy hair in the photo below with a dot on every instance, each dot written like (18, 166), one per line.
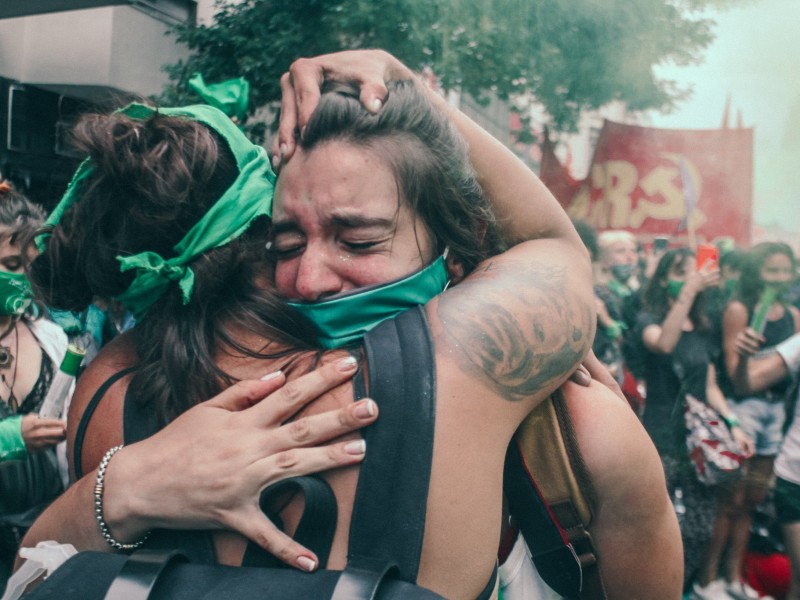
(429, 159)
(21, 216)
(750, 286)
(153, 179)
(656, 299)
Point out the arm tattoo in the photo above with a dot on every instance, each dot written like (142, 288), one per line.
(516, 326)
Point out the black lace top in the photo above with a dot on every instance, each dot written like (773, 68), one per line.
(32, 401)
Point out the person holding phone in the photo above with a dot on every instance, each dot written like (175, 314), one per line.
(679, 355)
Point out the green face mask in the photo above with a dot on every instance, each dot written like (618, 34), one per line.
(346, 318)
(15, 293)
(674, 287)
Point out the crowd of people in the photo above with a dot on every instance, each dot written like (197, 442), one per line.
(670, 326)
(244, 299)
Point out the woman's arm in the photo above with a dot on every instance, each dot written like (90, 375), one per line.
(716, 399)
(755, 375)
(523, 320)
(634, 529)
(734, 324)
(141, 490)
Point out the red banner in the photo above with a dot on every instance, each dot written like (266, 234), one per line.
(668, 182)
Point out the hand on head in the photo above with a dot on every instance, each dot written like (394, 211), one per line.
(301, 85)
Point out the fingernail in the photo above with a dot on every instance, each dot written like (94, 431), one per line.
(276, 162)
(273, 375)
(365, 409)
(356, 448)
(284, 149)
(306, 563)
(375, 105)
(302, 133)
(347, 364)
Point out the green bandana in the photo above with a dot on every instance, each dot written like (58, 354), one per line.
(230, 96)
(347, 317)
(15, 293)
(250, 196)
(674, 288)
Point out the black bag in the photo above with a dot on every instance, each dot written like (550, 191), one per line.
(154, 574)
(388, 518)
(27, 486)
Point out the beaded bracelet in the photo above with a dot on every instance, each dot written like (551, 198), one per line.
(98, 505)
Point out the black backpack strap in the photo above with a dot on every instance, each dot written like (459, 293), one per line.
(316, 527)
(140, 573)
(552, 554)
(139, 422)
(554, 513)
(388, 518)
(86, 417)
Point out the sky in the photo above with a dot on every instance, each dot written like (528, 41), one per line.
(755, 59)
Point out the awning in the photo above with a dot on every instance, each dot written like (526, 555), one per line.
(99, 95)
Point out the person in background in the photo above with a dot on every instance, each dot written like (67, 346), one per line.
(607, 345)
(619, 262)
(758, 404)
(31, 350)
(84, 329)
(763, 371)
(680, 353)
(617, 286)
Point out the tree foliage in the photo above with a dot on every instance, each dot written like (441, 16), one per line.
(568, 55)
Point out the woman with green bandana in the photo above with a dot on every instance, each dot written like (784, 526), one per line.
(680, 352)
(31, 350)
(168, 215)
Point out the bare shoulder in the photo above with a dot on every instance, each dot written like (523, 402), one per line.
(522, 321)
(735, 315)
(634, 529)
(104, 430)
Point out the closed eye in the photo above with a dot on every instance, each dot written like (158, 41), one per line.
(359, 246)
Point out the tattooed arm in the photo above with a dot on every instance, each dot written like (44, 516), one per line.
(523, 321)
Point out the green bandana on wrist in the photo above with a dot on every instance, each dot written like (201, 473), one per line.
(249, 197)
(674, 288)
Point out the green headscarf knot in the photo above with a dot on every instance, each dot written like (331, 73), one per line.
(249, 197)
(154, 274)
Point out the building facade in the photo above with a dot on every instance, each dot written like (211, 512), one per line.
(60, 57)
